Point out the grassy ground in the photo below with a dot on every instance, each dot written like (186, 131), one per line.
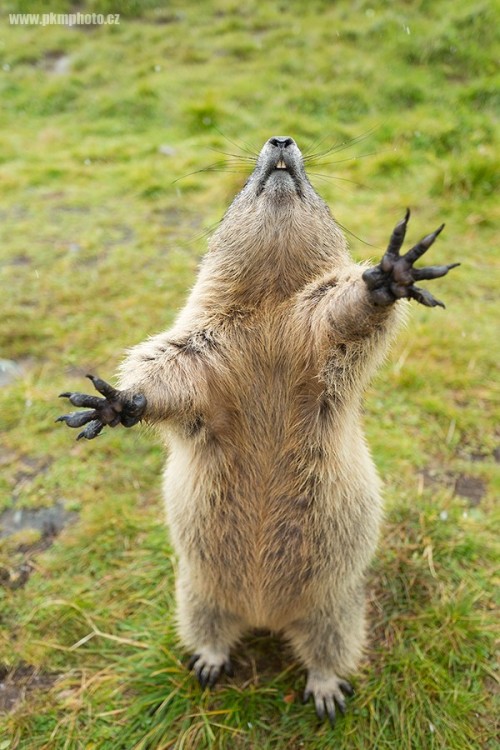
(98, 246)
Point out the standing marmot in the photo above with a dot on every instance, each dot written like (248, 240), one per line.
(272, 497)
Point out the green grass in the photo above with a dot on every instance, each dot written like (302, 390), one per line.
(101, 231)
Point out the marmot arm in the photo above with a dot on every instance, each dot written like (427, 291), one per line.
(359, 302)
(158, 382)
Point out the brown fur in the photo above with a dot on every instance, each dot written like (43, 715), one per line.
(271, 494)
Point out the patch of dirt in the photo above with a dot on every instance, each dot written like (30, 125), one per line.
(478, 455)
(55, 61)
(21, 259)
(162, 17)
(464, 485)
(261, 656)
(470, 487)
(15, 577)
(49, 521)
(17, 684)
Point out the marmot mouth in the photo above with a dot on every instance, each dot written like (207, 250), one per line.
(289, 169)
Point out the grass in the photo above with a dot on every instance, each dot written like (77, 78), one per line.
(101, 232)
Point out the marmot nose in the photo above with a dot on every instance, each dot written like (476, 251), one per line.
(281, 141)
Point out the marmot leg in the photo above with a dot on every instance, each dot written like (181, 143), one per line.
(329, 643)
(208, 630)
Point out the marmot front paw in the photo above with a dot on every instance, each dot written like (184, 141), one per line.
(115, 408)
(395, 275)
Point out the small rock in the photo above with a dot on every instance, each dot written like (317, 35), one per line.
(62, 65)
(167, 150)
(9, 371)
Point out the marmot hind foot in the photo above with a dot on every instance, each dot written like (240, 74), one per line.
(327, 691)
(208, 666)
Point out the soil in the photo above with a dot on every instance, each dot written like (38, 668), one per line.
(472, 488)
(15, 685)
(49, 521)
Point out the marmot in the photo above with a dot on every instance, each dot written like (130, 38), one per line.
(272, 498)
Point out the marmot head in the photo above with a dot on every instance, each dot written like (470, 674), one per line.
(277, 234)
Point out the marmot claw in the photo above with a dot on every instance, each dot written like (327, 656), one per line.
(395, 275)
(115, 408)
(209, 666)
(327, 693)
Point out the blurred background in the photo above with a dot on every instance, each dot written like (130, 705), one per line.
(121, 145)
